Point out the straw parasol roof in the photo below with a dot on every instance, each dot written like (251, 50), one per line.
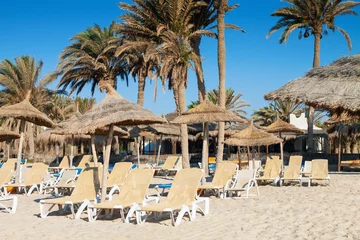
(51, 136)
(7, 135)
(207, 112)
(280, 126)
(164, 129)
(27, 112)
(335, 87)
(252, 136)
(113, 109)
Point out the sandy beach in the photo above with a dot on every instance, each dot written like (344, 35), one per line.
(288, 212)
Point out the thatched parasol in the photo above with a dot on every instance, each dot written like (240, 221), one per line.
(335, 87)
(112, 110)
(280, 126)
(7, 135)
(206, 112)
(252, 136)
(26, 113)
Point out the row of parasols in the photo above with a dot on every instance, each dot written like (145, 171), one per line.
(113, 112)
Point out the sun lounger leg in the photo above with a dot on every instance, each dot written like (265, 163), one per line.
(81, 209)
(93, 213)
(13, 208)
(112, 191)
(32, 189)
(131, 212)
(183, 211)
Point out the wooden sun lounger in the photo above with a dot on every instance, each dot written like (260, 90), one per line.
(348, 163)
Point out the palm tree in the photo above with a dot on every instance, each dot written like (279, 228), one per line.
(188, 19)
(233, 102)
(267, 115)
(176, 57)
(87, 59)
(20, 78)
(84, 104)
(315, 17)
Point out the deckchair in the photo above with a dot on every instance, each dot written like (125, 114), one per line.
(64, 164)
(14, 204)
(85, 162)
(117, 176)
(181, 197)
(224, 172)
(171, 164)
(319, 171)
(65, 181)
(291, 173)
(85, 191)
(306, 171)
(272, 170)
(5, 178)
(295, 161)
(33, 180)
(244, 182)
(132, 194)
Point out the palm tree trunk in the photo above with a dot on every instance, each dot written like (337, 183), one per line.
(141, 89)
(183, 127)
(31, 141)
(222, 68)
(116, 147)
(106, 163)
(195, 44)
(22, 128)
(316, 64)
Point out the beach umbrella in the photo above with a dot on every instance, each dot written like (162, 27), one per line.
(166, 129)
(252, 136)
(25, 112)
(206, 112)
(61, 129)
(335, 87)
(280, 126)
(112, 111)
(7, 135)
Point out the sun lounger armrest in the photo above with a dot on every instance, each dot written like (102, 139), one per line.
(147, 200)
(229, 184)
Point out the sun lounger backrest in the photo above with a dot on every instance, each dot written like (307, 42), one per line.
(11, 163)
(66, 175)
(178, 164)
(307, 167)
(243, 177)
(85, 162)
(272, 168)
(170, 162)
(291, 172)
(5, 176)
(64, 162)
(295, 161)
(319, 168)
(136, 185)
(119, 173)
(36, 174)
(185, 185)
(85, 186)
(223, 173)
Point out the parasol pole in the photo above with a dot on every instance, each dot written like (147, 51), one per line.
(8, 149)
(57, 153)
(238, 152)
(22, 127)
(106, 163)
(158, 154)
(339, 152)
(72, 151)
(248, 154)
(93, 150)
(282, 156)
(138, 150)
(205, 152)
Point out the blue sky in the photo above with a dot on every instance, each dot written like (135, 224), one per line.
(255, 65)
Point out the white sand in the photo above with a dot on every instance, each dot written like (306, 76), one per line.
(288, 212)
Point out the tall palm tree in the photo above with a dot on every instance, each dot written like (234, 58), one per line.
(20, 78)
(234, 103)
(85, 61)
(312, 17)
(221, 6)
(176, 57)
(188, 19)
